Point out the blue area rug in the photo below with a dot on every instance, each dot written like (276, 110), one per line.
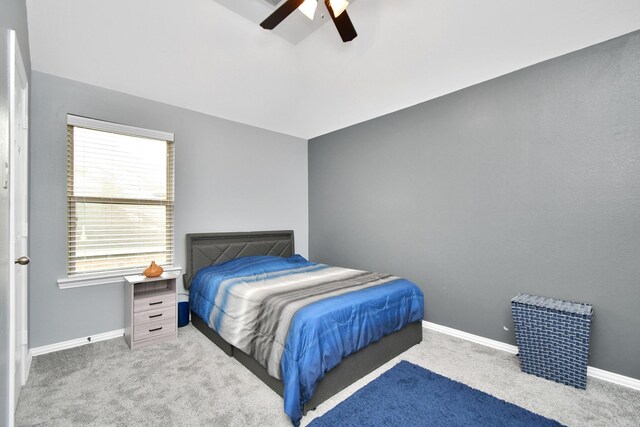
(408, 395)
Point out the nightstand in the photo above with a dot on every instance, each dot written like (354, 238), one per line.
(151, 309)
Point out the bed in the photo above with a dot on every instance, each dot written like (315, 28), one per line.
(225, 272)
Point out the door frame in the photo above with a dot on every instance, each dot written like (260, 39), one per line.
(17, 315)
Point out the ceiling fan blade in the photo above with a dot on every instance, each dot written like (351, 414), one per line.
(343, 24)
(280, 14)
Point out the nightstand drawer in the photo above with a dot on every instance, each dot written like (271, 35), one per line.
(150, 330)
(153, 302)
(143, 317)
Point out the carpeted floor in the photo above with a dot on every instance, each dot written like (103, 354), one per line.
(191, 382)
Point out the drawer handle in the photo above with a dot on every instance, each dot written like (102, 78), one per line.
(155, 315)
(155, 303)
(155, 329)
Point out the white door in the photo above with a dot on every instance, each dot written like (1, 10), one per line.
(18, 218)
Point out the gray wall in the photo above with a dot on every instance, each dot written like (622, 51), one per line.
(526, 183)
(13, 15)
(229, 177)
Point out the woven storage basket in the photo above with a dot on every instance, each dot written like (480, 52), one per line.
(553, 338)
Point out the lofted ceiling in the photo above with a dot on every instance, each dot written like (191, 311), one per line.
(204, 56)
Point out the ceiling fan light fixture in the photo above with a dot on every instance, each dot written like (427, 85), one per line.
(338, 6)
(308, 8)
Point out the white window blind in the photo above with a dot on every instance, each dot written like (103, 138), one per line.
(120, 196)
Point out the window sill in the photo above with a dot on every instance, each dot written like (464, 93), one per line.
(82, 281)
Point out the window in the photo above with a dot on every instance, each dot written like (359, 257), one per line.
(119, 196)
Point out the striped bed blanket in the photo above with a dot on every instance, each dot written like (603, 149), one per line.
(297, 318)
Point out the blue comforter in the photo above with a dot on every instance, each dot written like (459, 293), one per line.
(299, 319)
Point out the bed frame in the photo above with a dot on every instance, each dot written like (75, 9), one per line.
(205, 249)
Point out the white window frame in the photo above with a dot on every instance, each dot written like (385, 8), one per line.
(116, 276)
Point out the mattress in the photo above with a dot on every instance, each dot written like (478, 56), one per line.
(299, 319)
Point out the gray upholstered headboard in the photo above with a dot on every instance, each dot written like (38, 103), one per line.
(205, 249)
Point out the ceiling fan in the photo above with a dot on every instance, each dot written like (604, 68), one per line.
(336, 8)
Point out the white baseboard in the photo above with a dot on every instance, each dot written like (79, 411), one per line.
(37, 351)
(612, 377)
(598, 373)
(471, 337)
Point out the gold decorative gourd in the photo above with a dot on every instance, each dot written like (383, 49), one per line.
(153, 270)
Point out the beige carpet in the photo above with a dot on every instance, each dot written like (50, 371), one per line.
(190, 382)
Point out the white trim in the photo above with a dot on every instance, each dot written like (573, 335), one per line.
(12, 392)
(38, 351)
(592, 372)
(24, 196)
(29, 360)
(85, 122)
(471, 337)
(113, 278)
(612, 377)
(18, 224)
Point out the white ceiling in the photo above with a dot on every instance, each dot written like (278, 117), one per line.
(200, 55)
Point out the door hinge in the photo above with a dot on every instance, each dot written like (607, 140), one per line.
(5, 175)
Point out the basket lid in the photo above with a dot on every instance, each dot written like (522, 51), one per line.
(554, 304)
